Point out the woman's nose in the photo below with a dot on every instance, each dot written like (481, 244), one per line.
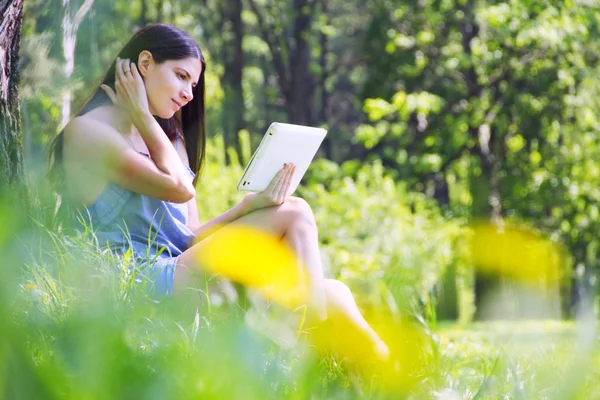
(187, 95)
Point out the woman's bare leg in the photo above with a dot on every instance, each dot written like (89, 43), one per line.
(294, 222)
(343, 312)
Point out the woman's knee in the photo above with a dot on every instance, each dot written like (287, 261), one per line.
(337, 293)
(337, 287)
(299, 211)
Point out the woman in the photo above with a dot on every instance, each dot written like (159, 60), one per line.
(130, 161)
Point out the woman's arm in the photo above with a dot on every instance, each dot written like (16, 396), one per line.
(273, 196)
(104, 152)
(202, 231)
(131, 96)
(161, 150)
(210, 227)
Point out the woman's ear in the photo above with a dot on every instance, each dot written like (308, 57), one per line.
(145, 61)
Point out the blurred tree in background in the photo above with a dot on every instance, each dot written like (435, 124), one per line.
(486, 107)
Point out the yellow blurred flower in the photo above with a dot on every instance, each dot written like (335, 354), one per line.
(411, 357)
(259, 260)
(514, 253)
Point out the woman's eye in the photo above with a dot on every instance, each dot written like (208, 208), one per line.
(181, 76)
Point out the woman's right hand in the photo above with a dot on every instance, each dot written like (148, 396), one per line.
(130, 90)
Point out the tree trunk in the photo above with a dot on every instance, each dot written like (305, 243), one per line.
(172, 12)
(300, 98)
(233, 61)
(11, 146)
(160, 14)
(481, 190)
(481, 185)
(291, 59)
(144, 13)
(328, 144)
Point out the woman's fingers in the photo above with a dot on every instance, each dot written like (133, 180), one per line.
(279, 183)
(119, 74)
(127, 68)
(289, 183)
(118, 70)
(275, 181)
(110, 93)
(126, 74)
(281, 194)
(130, 92)
(123, 72)
(135, 73)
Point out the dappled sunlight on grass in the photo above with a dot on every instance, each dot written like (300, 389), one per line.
(521, 359)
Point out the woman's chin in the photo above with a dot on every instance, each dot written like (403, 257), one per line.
(166, 114)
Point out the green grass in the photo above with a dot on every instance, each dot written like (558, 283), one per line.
(520, 360)
(79, 328)
(75, 325)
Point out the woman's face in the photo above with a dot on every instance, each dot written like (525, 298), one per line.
(170, 84)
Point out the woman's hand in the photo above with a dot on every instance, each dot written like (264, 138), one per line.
(274, 195)
(130, 90)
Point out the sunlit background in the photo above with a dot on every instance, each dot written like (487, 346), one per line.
(457, 194)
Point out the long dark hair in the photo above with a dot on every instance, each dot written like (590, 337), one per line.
(165, 43)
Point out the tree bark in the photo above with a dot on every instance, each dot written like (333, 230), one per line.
(11, 146)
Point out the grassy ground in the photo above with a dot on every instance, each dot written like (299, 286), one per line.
(76, 325)
(520, 360)
(94, 347)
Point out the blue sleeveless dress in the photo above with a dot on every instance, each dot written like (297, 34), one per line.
(155, 230)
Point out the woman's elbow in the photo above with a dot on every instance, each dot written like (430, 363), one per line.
(183, 193)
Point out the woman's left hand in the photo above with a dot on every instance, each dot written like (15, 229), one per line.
(130, 91)
(274, 195)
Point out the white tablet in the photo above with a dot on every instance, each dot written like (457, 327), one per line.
(282, 143)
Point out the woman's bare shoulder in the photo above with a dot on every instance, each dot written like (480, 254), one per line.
(100, 118)
(92, 139)
(92, 128)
